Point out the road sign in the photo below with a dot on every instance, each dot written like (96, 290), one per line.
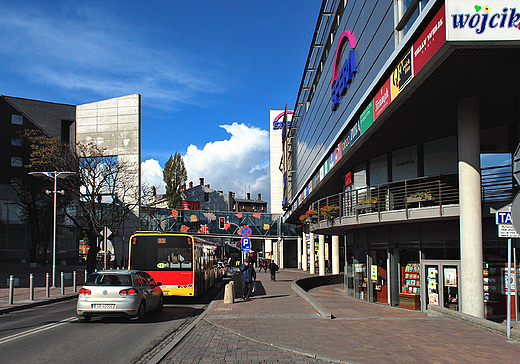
(246, 244)
(507, 231)
(503, 218)
(245, 231)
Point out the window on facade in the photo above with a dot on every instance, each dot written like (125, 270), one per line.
(17, 119)
(17, 142)
(206, 196)
(404, 163)
(407, 12)
(16, 162)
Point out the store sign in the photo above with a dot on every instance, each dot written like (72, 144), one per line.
(277, 124)
(493, 20)
(382, 99)
(402, 74)
(342, 77)
(429, 42)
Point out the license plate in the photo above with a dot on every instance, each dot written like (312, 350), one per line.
(103, 306)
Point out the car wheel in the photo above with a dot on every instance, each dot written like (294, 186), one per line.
(159, 308)
(140, 312)
(84, 318)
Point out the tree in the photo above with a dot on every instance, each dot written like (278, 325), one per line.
(175, 177)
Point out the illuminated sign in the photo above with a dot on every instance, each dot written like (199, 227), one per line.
(279, 124)
(342, 78)
(493, 20)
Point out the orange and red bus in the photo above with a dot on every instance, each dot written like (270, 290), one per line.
(185, 265)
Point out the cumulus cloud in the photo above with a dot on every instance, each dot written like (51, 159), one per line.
(239, 164)
(152, 174)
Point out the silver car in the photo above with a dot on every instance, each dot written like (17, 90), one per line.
(129, 293)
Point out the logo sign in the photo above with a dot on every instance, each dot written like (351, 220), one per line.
(279, 124)
(495, 20)
(246, 244)
(342, 77)
(402, 74)
(245, 231)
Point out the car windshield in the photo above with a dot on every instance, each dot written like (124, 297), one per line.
(109, 280)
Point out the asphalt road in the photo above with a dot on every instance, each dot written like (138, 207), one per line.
(52, 334)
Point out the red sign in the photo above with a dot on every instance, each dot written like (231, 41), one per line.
(429, 41)
(348, 178)
(246, 231)
(382, 99)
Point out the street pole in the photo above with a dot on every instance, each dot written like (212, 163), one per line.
(54, 235)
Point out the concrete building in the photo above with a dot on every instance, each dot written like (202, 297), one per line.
(402, 139)
(112, 124)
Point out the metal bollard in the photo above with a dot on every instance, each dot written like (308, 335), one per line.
(74, 281)
(31, 287)
(47, 288)
(62, 283)
(85, 276)
(11, 289)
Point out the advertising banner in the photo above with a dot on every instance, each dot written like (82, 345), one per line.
(429, 42)
(494, 20)
(382, 99)
(402, 74)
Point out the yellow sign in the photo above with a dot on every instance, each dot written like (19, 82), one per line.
(374, 272)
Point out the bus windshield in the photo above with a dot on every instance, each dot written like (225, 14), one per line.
(161, 252)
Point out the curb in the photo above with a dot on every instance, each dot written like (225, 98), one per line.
(37, 303)
(311, 301)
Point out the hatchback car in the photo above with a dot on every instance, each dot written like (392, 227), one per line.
(129, 293)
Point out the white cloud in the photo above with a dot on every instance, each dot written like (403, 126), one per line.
(152, 174)
(238, 164)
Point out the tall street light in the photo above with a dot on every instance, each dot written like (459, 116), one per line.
(54, 175)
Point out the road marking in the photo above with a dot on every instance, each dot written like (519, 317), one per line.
(35, 330)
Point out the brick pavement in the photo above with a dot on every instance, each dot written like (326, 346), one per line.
(279, 326)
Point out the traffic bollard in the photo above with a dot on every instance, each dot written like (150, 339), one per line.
(31, 287)
(11, 289)
(47, 288)
(74, 281)
(62, 283)
(85, 276)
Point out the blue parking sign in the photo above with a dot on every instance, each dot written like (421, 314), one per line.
(246, 244)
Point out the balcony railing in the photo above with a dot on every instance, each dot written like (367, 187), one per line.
(497, 185)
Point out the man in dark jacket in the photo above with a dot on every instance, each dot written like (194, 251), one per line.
(248, 275)
(273, 267)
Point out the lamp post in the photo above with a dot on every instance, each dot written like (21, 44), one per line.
(54, 175)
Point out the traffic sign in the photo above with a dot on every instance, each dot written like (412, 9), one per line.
(503, 218)
(515, 212)
(245, 231)
(246, 244)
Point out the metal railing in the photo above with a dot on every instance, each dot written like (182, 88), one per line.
(497, 184)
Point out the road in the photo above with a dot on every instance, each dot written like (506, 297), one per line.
(52, 334)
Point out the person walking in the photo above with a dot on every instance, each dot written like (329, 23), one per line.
(248, 276)
(273, 267)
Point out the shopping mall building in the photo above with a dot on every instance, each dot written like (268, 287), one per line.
(402, 140)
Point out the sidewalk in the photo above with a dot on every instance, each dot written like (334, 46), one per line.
(278, 326)
(22, 271)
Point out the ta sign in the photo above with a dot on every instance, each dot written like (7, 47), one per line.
(503, 218)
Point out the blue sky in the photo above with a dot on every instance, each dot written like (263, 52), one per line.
(208, 73)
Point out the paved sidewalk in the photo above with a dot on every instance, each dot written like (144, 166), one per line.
(278, 326)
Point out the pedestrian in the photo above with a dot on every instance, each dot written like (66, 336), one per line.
(248, 276)
(273, 267)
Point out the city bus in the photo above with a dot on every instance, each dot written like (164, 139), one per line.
(185, 265)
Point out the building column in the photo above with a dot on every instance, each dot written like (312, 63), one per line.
(471, 255)
(304, 253)
(280, 254)
(335, 254)
(299, 253)
(312, 255)
(268, 248)
(321, 254)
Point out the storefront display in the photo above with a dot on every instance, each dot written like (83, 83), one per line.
(410, 294)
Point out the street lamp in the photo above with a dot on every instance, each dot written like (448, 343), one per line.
(54, 175)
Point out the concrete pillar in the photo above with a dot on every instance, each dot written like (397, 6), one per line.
(335, 254)
(299, 253)
(312, 255)
(268, 248)
(304, 253)
(280, 254)
(274, 257)
(321, 254)
(471, 256)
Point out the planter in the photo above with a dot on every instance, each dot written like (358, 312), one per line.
(420, 199)
(363, 206)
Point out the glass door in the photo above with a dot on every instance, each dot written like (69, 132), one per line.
(441, 280)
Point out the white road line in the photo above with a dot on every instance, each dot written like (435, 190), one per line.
(35, 330)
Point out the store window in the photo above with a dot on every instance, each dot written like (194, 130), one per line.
(404, 163)
(378, 170)
(440, 156)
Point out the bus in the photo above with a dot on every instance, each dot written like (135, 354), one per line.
(185, 265)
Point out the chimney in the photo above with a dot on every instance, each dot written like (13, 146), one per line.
(183, 188)
(259, 196)
(191, 184)
(207, 185)
(248, 195)
(201, 181)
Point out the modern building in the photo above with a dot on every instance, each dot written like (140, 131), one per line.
(405, 123)
(113, 125)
